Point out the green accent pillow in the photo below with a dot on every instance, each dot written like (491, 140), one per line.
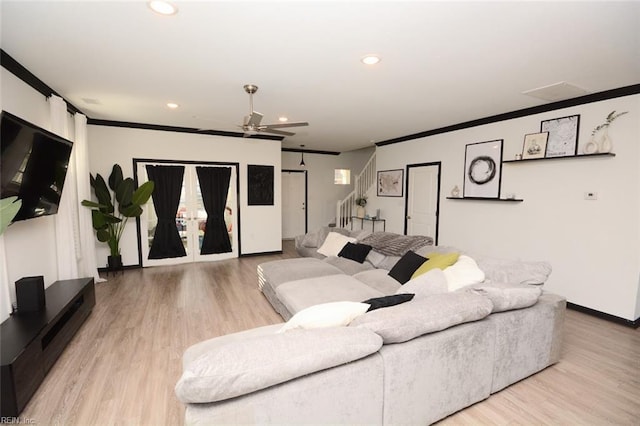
(436, 260)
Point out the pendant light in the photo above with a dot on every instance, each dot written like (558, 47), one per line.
(302, 156)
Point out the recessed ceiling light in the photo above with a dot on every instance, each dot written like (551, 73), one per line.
(370, 60)
(172, 105)
(283, 119)
(163, 7)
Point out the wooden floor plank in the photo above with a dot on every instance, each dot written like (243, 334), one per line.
(122, 366)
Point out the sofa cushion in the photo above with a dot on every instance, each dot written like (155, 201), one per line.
(509, 298)
(406, 266)
(334, 314)
(300, 294)
(334, 243)
(462, 273)
(356, 252)
(513, 271)
(347, 266)
(436, 261)
(424, 315)
(428, 284)
(379, 279)
(249, 365)
(277, 272)
(386, 301)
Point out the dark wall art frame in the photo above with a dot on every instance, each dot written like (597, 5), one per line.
(483, 169)
(563, 135)
(391, 183)
(260, 186)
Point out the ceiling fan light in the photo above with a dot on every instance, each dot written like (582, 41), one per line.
(370, 60)
(163, 7)
(172, 105)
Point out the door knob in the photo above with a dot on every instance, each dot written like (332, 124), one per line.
(408, 217)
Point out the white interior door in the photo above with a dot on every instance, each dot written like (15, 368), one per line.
(422, 200)
(294, 207)
(191, 218)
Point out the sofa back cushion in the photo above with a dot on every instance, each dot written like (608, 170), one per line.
(246, 366)
(508, 298)
(513, 271)
(424, 315)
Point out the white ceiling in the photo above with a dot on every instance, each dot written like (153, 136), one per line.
(443, 63)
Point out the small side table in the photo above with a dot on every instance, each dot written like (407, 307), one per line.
(369, 219)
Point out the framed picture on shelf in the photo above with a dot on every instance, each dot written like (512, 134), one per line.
(563, 135)
(482, 169)
(535, 145)
(390, 183)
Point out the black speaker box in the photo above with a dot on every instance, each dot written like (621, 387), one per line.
(30, 294)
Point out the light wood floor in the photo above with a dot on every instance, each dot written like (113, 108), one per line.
(122, 366)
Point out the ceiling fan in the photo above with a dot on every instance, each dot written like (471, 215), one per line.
(252, 124)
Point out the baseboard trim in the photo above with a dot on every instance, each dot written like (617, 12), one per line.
(264, 253)
(124, 268)
(608, 317)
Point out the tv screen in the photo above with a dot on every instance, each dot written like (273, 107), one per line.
(33, 166)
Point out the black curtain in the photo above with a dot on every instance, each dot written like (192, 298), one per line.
(166, 197)
(214, 184)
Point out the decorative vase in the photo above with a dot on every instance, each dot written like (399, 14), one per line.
(455, 192)
(591, 147)
(605, 144)
(114, 262)
(360, 211)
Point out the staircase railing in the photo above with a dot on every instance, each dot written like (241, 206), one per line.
(363, 182)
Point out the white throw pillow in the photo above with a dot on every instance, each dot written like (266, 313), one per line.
(427, 284)
(334, 314)
(462, 273)
(334, 243)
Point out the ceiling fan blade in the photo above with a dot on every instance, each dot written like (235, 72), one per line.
(277, 132)
(283, 125)
(254, 119)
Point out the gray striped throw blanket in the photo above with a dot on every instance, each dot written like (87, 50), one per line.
(391, 244)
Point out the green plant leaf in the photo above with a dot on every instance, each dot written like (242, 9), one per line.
(103, 235)
(98, 220)
(102, 194)
(124, 192)
(132, 210)
(143, 193)
(9, 208)
(116, 177)
(89, 203)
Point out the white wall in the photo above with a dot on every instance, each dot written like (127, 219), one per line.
(260, 226)
(323, 194)
(593, 246)
(30, 245)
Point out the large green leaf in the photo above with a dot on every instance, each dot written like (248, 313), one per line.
(132, 210)
(116, 177)
(124, 192)
(143, 193)
(103, 235)
(98, 220)
(9, 208)
(102, 194)
(89, 203)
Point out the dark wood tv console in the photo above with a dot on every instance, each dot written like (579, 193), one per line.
(31, 342)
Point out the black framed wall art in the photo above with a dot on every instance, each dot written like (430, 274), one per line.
(260, 186)
(390, 183)
(563, 135)
(482, 169)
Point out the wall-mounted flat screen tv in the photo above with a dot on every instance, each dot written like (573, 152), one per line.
(33, 166)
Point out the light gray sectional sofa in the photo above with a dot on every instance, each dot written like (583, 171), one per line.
(412, 363)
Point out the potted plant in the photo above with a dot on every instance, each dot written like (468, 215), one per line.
(109, 215)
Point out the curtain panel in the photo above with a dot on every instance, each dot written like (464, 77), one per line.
(214, 185)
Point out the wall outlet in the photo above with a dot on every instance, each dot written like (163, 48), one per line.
(590, 195)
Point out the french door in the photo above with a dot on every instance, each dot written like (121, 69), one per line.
(190, 217)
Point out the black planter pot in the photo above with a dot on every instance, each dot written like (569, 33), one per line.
(114, 262)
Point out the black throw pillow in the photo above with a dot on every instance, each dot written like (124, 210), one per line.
(357, 252)
(383, 302)
(406, 266)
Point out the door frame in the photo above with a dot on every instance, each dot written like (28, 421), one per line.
(306, 191)
(406, 199)
(188, 162)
